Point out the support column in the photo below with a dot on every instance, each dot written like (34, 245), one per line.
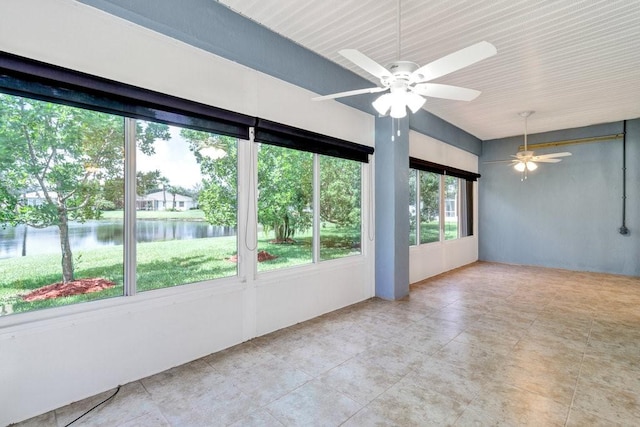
(392, 207)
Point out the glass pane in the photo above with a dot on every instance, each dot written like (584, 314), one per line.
(412, 207)
(57, 166)
(429, 207)
(340, 222)
(466, 208)
(451, 208)
(186, 196)
(285, 215)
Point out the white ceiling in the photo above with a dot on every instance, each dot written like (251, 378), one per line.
(575, 63)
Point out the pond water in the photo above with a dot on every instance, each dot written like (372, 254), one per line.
(93, 234)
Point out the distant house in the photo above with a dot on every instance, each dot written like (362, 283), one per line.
(37, 198)
(164, 200)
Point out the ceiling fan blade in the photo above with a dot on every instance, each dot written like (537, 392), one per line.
(366, 63)
(453, 62)
(548, 160)
(349, 93)
(437, 90)
(551, 155)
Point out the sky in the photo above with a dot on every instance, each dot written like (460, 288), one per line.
(173, 159)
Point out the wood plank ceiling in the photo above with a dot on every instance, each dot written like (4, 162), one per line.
(575, 63)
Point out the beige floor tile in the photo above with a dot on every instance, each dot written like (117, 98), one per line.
(316, 357)
(259, 418)
(130, 403)
(394, 358)
(410, 402)
(608, 402)
(186, 382)
(509, 405)
(558, 387)
(608, 372)
(268, 380)
(46, 419)
(360, 379)
(501, 341)
(462, 385)
(147, 420)
(367, 417)
(313, 404)
(209, 410)
(578, 418)
(483, 360)
(473, 418)
(242, 356)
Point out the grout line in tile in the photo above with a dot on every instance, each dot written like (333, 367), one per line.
(575, 388)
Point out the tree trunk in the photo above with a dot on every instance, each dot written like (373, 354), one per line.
(65, 246)
(164, 198)
(24, 240)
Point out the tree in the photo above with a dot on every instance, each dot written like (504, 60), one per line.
(62, 154)
(340, 191)
(217, 156)
(146, 182)
(429, 196)
(284, 184)
(113, 191)
(285, 190)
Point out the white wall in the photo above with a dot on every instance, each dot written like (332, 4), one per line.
(434, 258)
(53, 357)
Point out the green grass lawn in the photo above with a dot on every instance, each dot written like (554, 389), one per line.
(429, 232)
(159, 265)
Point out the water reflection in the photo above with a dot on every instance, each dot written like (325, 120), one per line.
(23, 240)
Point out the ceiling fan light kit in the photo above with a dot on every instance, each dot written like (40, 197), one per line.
(407, 82)
(526, 161)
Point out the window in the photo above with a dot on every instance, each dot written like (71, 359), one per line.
(63, 205)
(340, 223)
(60, 168)
(451, 207)
(444, 197)
(413, 210)
(309, 196)
(429, 207)
(186, 232)
(285, 207)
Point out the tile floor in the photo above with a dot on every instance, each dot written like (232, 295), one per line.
(487, 344)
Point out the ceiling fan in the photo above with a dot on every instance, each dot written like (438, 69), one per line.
(525, 160)
(407, 81)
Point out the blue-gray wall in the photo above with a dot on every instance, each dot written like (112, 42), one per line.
(392, 215)
(565, 215)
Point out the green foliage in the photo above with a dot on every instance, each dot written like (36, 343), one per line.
(340, 191)
(217, 156)
(285, 189)
(146, 182)
(429, 196)
(284, 186)
(58, 152)
(62, 154)
(113, 192)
